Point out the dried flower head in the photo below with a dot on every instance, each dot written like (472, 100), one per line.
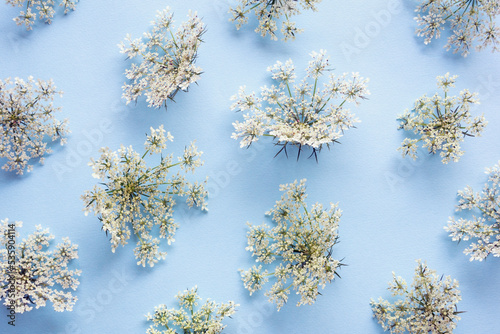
(442, 122)
(143, 196)
(43, 9)
(165, 60)
(207, 319)
(302, 115)
(428, 306)
(300, 245)
(485, 227)
(472, 23)
(26, 119)
(269, 12)
(31, 275)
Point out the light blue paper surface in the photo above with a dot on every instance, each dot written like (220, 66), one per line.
(394, 209)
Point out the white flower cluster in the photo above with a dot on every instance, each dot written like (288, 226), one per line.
(304, 114)
(31, 276)
(429, 306)
(26, 118)
(43, 8)
(206, 320)
(166, 60)
(442, 122)
(143, 196)
(472, 23)
(486, 227)
(270, 11)
(300, 244)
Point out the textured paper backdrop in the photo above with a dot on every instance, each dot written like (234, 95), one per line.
(394, 209)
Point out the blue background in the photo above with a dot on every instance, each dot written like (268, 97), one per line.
(394, 209)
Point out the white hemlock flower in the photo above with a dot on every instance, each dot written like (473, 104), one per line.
(484, 228)
(31, 275)
(269, 12)
(26, 120)
(303, 114)
(140, 197)
(206, 319)
(429, 305)
(441, 122)
(41, 9)
(471, 23)
(165, 59)
(300, 246)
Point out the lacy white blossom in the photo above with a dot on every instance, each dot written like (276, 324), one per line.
(206, 319)
(268, 12)
(300, 246)
(31, 275)
(303, 114)
(472, 23)
(141, 196)
(43, 9)
(165, 60)
(485, 228)
(26, 120)
(442, 122)
(429, 305)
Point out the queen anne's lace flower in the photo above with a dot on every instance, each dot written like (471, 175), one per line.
(472, 23)
(165, 60)
(484, 228)
(442, 122)
(43, 9)
(142, 196)
(270, 11)
(304, 114)
(26, 119)
(300, 245)
(30, 276)
(206, 320)
(428, 306)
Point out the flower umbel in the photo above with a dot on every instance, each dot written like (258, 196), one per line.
(35, 275)
(135, 195)
(43, 9)
(26, 119)
(485, 228)
(442, 122)
(268, 12)
(472, 23)
(165, 60)
(207, 319)
(303, 114)
(300, 245)
(428, 306)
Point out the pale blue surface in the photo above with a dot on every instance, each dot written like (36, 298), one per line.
(385, 226)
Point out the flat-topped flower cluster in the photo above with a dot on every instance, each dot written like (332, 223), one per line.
(141, 196)
(268, 12)
(165, 61)
(484, 228)
(42, 9)
(472, 23)
(303, 114)
(296, 253)
(300, 245)
(26, 120)
(429, 305)
(442, 122)
(39, 274)
(189, 318)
